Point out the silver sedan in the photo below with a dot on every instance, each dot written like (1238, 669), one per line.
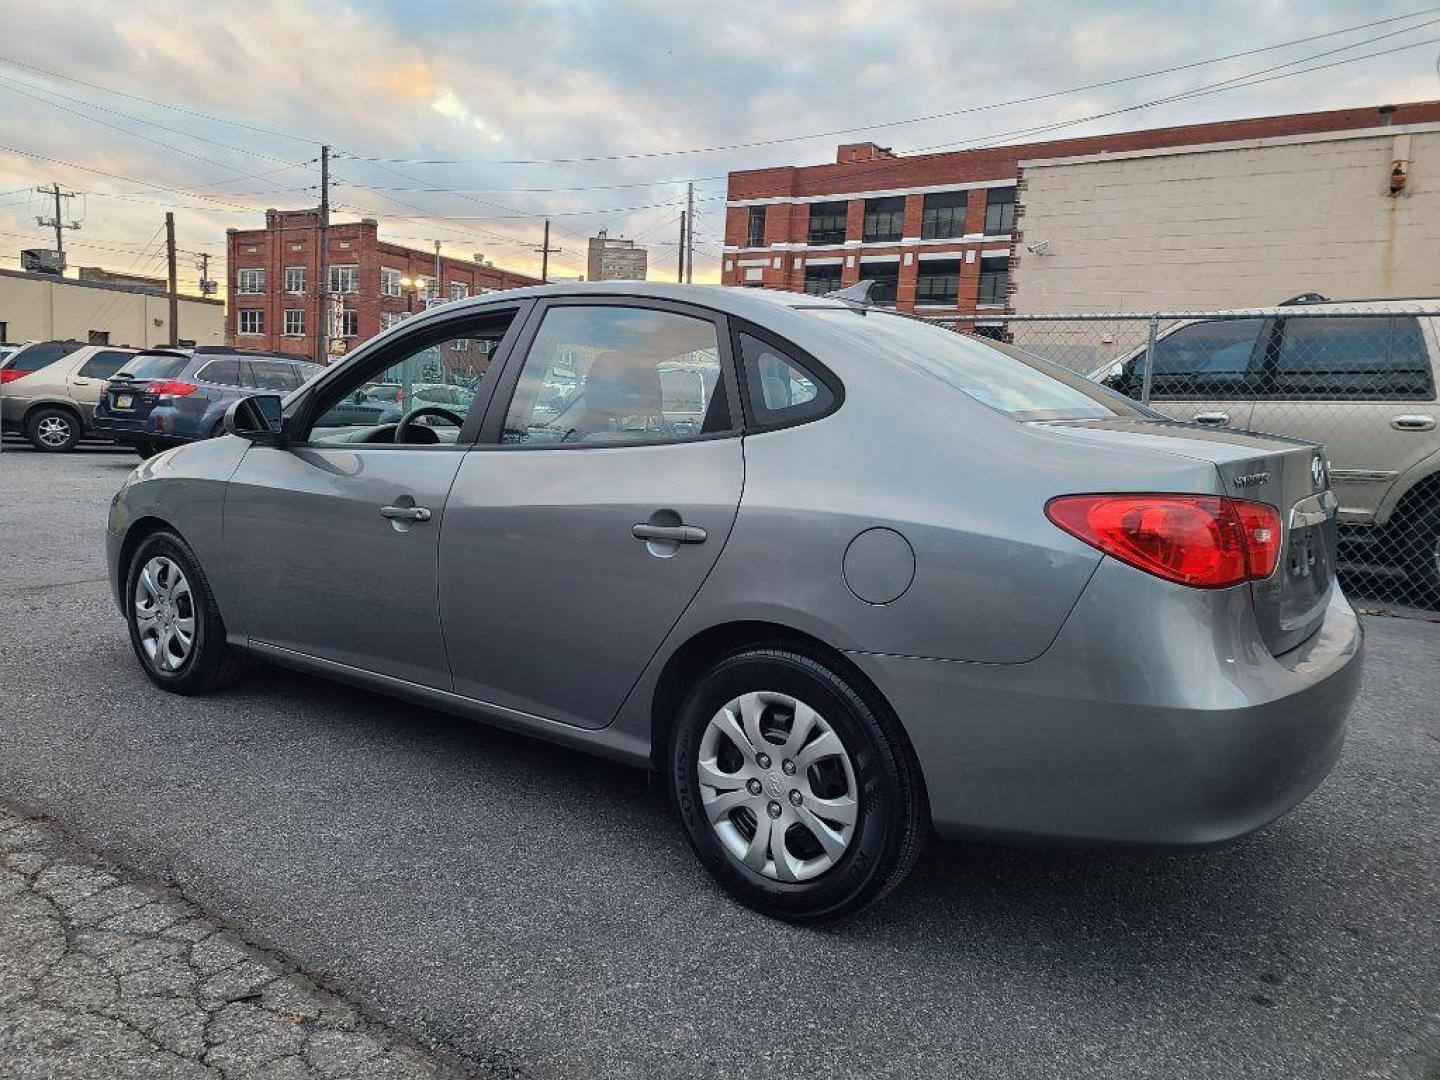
(853, 576)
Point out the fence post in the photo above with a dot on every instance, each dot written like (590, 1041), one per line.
(1149, 360)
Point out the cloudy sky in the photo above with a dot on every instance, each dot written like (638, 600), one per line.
(479, 100)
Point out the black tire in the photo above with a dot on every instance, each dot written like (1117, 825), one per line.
(144, 449)
(891, 823)
(210, 663)
(53, 429)
(1420, 550)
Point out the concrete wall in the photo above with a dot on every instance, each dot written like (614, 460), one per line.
(1231, 225)
(36, 307)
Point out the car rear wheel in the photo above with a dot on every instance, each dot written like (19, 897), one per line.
(800, 799)
(53, 429)
(1421, 540)
(144, 449)
(175, 627)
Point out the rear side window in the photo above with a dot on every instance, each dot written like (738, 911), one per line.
(151, 366)
(41, 354)
(782, 390)
(222, 372)
(103, 364)
(1353, 358)
(272, 375)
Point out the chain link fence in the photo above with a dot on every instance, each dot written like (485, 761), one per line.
(1361, 380)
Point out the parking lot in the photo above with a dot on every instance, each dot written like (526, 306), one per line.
(539, 913)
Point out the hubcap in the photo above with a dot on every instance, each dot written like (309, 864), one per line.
(791, 823)
(164, 613)
(53, 431)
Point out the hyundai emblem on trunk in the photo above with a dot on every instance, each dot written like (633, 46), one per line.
(1253, 479)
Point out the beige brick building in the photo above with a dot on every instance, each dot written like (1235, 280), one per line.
(1231, 224)
(39, 307)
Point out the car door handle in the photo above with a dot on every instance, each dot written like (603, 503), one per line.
(1414, 422)
(405, 513)
(1213, 419)
(80, 382)
(680, 534)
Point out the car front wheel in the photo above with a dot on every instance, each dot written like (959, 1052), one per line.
(175, 627)
(802, 800)
(53, 430)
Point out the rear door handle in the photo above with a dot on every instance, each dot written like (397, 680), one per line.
(405, 513)
(1213, 419)
(1414, 422)
(680, 534)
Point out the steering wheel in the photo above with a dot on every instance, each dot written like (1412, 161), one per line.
(402, 429)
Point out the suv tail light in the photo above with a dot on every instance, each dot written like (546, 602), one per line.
(9, 375)
(1204, 541)
(171, 389)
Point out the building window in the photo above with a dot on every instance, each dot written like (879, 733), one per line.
(827, 223)
(250, 281)
(344, 279)
(820, 280)
(884, 219)
(389, 282)
(99, 337)
(939, 282)
(295, 280)
(252, 320)
(886, 276)
(755, 227)
(944, 216)
(391, 318)
(999, 211)
(294, 322)
(349, 322)
(459, 290)
(994, 279)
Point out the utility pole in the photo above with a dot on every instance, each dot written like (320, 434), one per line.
(437, 270)
(322, 264)
(546, 251)
(680, 248)
(689, 233)
(170, 262)
(58, 222)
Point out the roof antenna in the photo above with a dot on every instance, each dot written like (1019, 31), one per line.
(859, 293)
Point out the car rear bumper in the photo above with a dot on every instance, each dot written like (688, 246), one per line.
(120, 429)
(1164, 724)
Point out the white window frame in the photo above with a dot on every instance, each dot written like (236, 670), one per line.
(256, 316)
(250, 281)
(349, 315)
(390, 281)
(295, 270)
(296, 316)
(339, 273)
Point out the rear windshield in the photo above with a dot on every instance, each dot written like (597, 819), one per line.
(154, 367)
(41, 354)
(1000, 376)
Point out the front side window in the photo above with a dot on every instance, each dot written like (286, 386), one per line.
(103, 364)
(994, 281)
(944, 216)
(939, 282)
(295, 280)
(272, 375)
(1201, 360)
(344, 279)
(827, 223)
(252, 320)
(294, 322)
(389, 281)
(781, 390)
(820, 280)
(600, 374)
(755, 227)
(884, 219)
(886, 276)
(250, 281)
(221, 372)
(999, 211)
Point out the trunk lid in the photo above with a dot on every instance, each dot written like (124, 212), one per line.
(1288, 474)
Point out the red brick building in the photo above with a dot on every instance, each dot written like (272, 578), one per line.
(937, 232)
(274, 273)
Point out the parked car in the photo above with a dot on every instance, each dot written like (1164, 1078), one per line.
(166, 397)
(1362, 385)
(895, 576)
(49, 389)
(8, 350)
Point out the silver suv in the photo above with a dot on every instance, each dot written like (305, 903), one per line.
(1359, 377)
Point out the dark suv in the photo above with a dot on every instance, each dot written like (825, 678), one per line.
(165, 397)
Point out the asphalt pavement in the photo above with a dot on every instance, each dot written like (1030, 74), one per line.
(539, 913)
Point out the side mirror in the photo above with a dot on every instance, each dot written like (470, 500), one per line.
(257, 418)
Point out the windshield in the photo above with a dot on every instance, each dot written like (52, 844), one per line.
(1000, 376)
(153, 367)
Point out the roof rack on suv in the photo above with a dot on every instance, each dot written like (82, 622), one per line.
(1304, 298)
(1316, 298)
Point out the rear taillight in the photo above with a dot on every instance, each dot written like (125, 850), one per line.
(171, 389)
(9, 375)
(1205, 541)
